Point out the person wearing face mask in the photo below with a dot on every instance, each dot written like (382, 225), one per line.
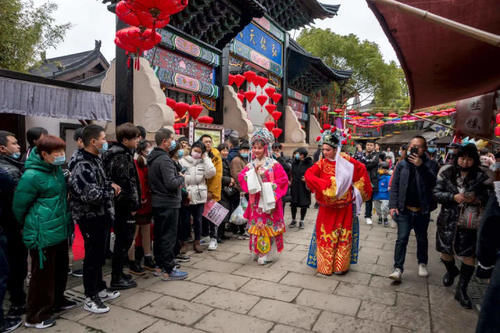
(460, 188)
(92, 207)
(199, 168)
(10, 153)
(301, 196)
(40, 207)
(238, 163)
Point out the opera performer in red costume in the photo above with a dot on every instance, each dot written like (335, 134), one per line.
(338, 181)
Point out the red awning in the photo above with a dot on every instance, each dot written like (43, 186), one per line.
(442, 65)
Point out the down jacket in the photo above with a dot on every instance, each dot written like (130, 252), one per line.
(197, 172)
(40, 204)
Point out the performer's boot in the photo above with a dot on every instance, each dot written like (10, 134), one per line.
(461, 296)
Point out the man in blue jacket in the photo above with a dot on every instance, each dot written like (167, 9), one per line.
(411, 203)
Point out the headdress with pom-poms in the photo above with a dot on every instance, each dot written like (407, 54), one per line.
(262, 135)
(334, 137)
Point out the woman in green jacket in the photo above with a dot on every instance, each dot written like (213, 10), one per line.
(40, 206)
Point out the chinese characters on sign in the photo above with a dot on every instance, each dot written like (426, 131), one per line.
(260, 41)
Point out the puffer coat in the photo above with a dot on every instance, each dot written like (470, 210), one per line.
(451, 239)
(301, 196)
(195, 177)
(40, 204)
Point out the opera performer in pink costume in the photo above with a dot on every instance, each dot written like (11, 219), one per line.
(266, 182)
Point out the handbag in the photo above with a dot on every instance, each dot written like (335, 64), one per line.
(470, 217)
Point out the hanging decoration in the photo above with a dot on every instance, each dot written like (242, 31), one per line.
(238, 80)
(206, 120)
(130, 14)
(323, 108)
(195, 110)
(379, 114)
(136, 41)
(270, 91)
(276, 97)
(180, 109)
(171, 103)
(276, 115)
(262, 99)
(270, 108)
(338, 110)
(241, 97)
(269, 125)
(250, 95)
(250, 77)
(230, 79)
(277, 132)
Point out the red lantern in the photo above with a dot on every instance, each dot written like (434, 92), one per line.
(262, 99)
(206, 120)
(276, 97)
(379, 114)
(366, 114)
(497, 131)
(421, 114)
(322, 131)
(238, 80)
(323, 108)
(276, 115)
(270, 108)
(261, 81)
(159, 7)
(230, 79)
(344, 142)
(129, 14)
(435, 112)
(327, 126)
(172, 103)
(250, 95)
(338, 110)
(352, 112)
(498, 118)
(318, 138)
(269, 125)
(177, 126)
(195, 110)
(181, 108)
(270, 91)
(249, 76)
(135, 40)
(241, 97)
(277, 132)
(334, 128)
(393, 115)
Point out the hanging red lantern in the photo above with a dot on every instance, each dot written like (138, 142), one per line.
(195, 110)
(379, 114)
(338, 111)
(421, 114)
(323, 108)
(262, 99)
(128, 13)
(318, 138)
(276, 115)
(238, 80)
(261, 81)
(366, 114)
(322, 131)
(327, 126)
(269, 125)
(393, 115)
(352, 112)
(159, 7)
(135, 40)
(249, 76)
(270, 108)
(206, 120)
(250, 95)
(181, 108)
(270, 91)
(276, 97)
(230, 79)
(171, 103)
(241, 97)
(498, 118)
(497, 131)
(277, 132)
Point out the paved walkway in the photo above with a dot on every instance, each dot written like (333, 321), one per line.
(227, 292)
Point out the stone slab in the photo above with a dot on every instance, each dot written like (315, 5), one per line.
(227, 300)
(176, 310)
(329, 322)
(217, 266)
(272, 290)
(366, 293)
(285, 313)
(162, 326)
(414, 286)
(287, 329)
(259, 272)
(220, 321)
(181, 289)
(310, 282)
(221, 280)
(332, 303)
(119, 320)
(400, 315)
(137, 300)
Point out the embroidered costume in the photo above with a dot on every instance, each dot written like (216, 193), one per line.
(337, 184)
(265, 226)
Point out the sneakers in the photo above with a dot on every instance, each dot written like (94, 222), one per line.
(122, 284)
(263, 260)
(386, 223)
(422, 270)
(108, 295)
(77, 273)
(368, 220)
(65, 305)
(94, 304)
(10, 324)
(182, 258)
(175, 275)
(205, 240)
(213, 245)
(44, 324)
(293, 224)
(396, 275)
(379, 220)
(135, 268)
(149, 263)
(301, 225)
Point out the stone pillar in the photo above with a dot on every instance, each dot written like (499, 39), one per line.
(235, 116)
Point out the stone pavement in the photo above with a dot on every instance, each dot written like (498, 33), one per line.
(228, 292)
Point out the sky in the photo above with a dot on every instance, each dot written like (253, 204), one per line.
(91, 21)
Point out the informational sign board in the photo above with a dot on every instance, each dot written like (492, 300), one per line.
(215, 212)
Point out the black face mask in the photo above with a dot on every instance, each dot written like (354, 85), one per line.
(464, 169)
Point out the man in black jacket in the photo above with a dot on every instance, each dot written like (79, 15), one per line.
(165, 182)
(120, 169)
(371, 160)
(15, 250)
(91, 203)
(411, 203)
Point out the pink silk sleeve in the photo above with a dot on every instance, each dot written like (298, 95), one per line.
(242, 179)
(281, 181)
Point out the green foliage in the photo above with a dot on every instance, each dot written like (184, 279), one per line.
(26, 31)
(372, 77)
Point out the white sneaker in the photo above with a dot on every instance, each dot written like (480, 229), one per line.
(422, 270)
(205, 240)
(396, 275)
(368, 220)
(108, 295)
(44, 324)
(213, 245)
(263, 260)
(95, 305)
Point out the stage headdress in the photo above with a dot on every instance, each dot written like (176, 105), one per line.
(262, 135)
(332, 138)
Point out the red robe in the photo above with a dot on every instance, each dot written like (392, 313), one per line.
(334, 222)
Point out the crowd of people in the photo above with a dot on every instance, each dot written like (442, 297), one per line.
(162, 190)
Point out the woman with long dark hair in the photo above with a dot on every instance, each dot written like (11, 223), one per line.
(462, 190)
(301, 196)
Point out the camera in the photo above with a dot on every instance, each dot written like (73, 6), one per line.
(414, 150)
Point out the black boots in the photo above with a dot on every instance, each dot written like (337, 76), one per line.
(451, 272)
(461, 296)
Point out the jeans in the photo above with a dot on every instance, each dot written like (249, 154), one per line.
(303, 212)
(47, 284)
(95, 233)
(183, 228)
(196, 212)
(17, 256)
(489, 319)
(165, 231)
(4, 271)
(124, 229)
(406, 221)
(212, 228)
(368, 208)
